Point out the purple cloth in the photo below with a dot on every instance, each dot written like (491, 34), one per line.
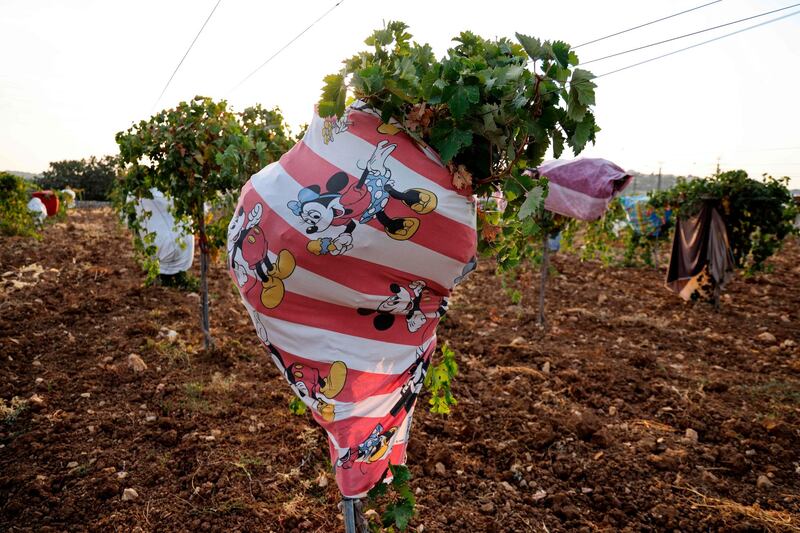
(582, 188)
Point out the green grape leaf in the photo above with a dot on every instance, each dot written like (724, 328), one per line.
(452, 143)
(370, 79)
(400, 473)
(398, 514)
(459, 97)
(297, 407)
(378, 490)
(561, 53)
(532, 45)
(558, 143)
(583, 132)
(582, 86)
(533, 203)
(333, 96)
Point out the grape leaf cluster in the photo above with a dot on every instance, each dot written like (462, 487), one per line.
(491, 108)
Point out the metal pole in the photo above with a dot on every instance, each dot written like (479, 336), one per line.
(349, 515)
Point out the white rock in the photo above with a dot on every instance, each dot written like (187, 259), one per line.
(122, 475)
(86, 395)
(35, 398)
(37, 363)
(440, 469)
(136, 363)
(539, 495)
(546, 367)
(767, 337)
(39, 381)
(72, 464)
(692, 435)
(506, 485)
(129, 494)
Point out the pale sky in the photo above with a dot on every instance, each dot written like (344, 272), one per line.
(73, 73)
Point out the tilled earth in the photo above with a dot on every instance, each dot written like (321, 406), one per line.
(631, 411)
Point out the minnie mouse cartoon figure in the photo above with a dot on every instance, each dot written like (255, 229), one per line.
(248, 255)
(347, 202)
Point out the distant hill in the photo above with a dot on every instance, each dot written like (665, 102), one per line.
(24, 175)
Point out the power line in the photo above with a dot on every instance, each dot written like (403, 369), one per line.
(698, 44)
(284, 47)
(184, 55)
(646, 24)
(675, 52)
(689, 34)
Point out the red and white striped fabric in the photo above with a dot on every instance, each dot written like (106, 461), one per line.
(345, 252)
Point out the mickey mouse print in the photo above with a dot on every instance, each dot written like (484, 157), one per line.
(345, 252)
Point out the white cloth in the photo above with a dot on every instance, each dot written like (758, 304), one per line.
(69, 192)
(36, 206)
(175, 244)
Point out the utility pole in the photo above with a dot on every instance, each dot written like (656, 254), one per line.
(658, 184)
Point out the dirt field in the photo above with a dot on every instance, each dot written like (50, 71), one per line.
(633, 411)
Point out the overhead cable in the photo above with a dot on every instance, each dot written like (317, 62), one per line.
(646, 24)
(184, 55)
(689, 34)
(284, 47)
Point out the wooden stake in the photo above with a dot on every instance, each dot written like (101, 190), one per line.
(207, 340)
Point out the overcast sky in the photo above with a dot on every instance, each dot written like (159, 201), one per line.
(73, 73)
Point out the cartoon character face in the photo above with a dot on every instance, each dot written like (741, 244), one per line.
(319, 210)
(400, 302)
(403, 301)
(319, 215)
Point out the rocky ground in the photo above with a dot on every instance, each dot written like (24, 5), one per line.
(631, 411)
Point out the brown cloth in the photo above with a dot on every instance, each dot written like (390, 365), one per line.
(701, 257)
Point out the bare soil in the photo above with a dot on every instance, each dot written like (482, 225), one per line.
(631, 411)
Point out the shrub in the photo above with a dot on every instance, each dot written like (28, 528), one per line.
(758, 214)
(15, 219)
